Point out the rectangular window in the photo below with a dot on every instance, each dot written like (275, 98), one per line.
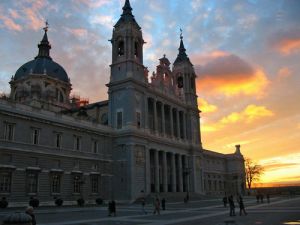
(9, 131)
(57, 140)
(77, 143)
(76, 184)
(32, 182)
(138, 120)
(5, 182)
(119, 120)
(35, 136)
(55, 183)
(95, 146)
(94, 184)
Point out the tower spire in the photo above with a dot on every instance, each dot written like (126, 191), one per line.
(182, 56)
(127, 15)
(127, 10)
(44, 46)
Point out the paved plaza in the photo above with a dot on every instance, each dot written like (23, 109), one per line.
(281, 210)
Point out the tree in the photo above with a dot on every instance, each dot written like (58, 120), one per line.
(253, 171)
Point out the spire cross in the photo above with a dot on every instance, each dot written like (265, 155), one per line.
(181, 37)
(46, 27)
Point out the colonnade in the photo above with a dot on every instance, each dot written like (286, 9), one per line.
(169, 172)
(165, 119)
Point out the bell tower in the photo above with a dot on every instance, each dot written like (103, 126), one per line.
(185, 78)
(128, 74)
(127, 48)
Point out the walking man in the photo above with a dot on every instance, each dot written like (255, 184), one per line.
(225, 200)
(156, 206)
(242, 206)
(143, 205)
(163, 204)
(231, 206)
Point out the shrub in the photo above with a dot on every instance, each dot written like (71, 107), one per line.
(59, 202)
(34, 202)
(99, 201)
(3, 203)
(80, 202)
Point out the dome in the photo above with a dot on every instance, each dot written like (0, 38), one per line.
(43, 66)
(43, 63)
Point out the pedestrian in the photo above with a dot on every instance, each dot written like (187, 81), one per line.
(268, 198)
(231, 206)
(143, 206)
(257, 198)
(113, 208)
(225, 201)
(261, 198)
(29, 211)
(156, 206)
(163, 204)
(109, 208)
(241, 205)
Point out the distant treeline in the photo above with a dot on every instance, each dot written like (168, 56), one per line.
(288, 190)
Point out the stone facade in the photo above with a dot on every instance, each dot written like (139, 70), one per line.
(145, 139)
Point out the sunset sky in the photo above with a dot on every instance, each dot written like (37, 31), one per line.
(246, 55)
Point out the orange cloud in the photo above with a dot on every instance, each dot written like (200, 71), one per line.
(92, 3)
(286, 42)
(78, 32)
(230, 75)
(289, 46)
(250, 114)
(205, 107)
(10, 24)
(284, 72)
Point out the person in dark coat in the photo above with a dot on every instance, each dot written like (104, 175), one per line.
(156, 206)
(113, 208)
(163, 204)
(29, 211)
(225, 201)
(268, 198)
(231, 206)
(109, 208)
(241, 205)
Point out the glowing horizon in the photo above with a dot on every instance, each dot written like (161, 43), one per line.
(246, 56)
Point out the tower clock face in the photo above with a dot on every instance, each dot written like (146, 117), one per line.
(180, 82)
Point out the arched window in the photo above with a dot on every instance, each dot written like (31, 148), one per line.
(121, 48)
(136, 49)
(180, 82)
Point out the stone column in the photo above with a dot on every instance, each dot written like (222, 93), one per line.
(146, 113)
(180, 173)
(163, 119)
(156, 163)
(187, 172)
(171, 121)
(165, 171)
(184, 125)
(155, 116)
(173, 169)
(178, 123)
(148, 172)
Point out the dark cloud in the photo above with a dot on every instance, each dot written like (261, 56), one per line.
(229, 66)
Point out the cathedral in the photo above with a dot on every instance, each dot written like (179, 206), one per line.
(144, 139)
